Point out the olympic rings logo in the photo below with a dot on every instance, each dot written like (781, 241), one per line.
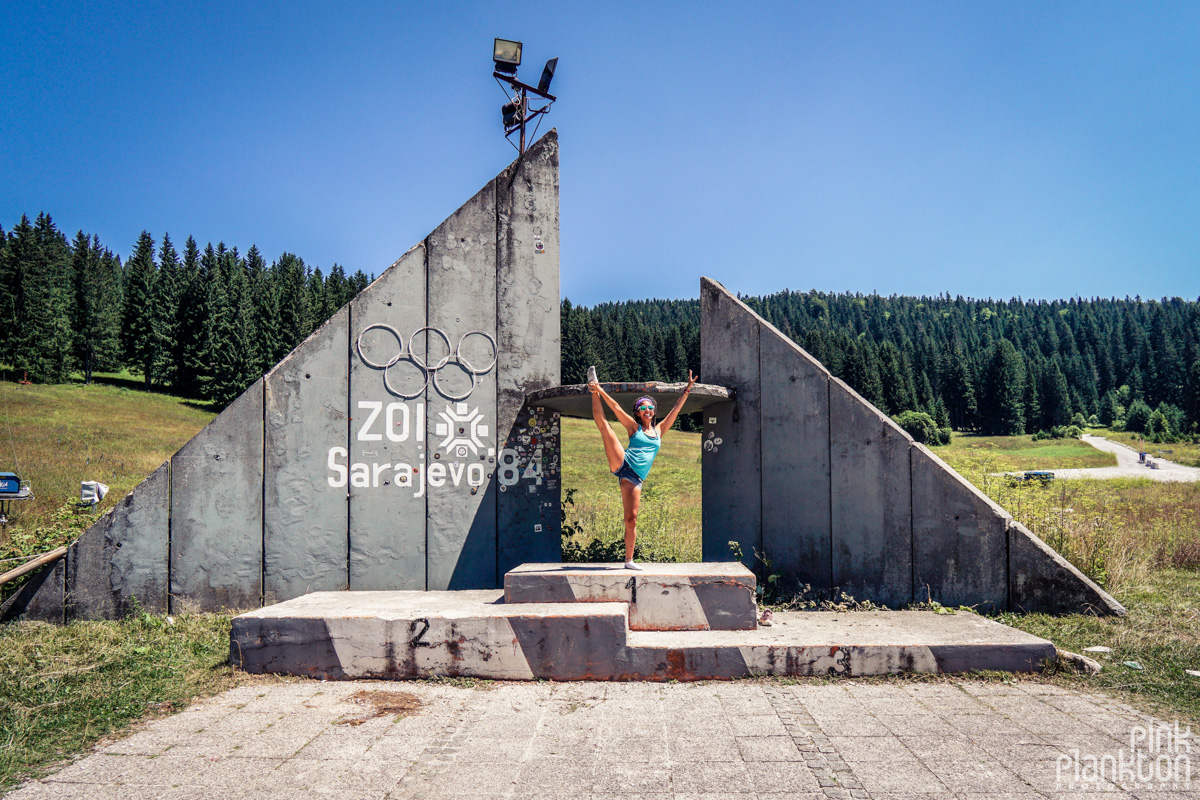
(455, 355)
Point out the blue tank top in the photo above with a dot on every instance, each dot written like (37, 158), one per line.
(641, 452)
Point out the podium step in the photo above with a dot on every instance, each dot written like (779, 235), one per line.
(350, 635)
(661, 597)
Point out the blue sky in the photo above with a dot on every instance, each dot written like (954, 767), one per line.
(1006, 149)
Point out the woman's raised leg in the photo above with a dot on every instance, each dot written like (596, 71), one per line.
(631, 500)
(612, 445)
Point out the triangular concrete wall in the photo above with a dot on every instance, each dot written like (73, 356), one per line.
(324, 476)
(803, 470)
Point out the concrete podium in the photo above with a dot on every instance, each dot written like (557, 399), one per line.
(577, 622)
(661, 597)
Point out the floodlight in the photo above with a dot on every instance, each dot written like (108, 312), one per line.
(507, 55)
(547, 76)
(511, 118)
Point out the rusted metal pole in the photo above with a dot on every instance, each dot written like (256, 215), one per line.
(524, 108)
(30, 566)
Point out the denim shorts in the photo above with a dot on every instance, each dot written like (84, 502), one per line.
(626, 473)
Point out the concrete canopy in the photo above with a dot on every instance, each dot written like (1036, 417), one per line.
(574, 400)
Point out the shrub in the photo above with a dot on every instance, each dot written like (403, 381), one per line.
(1138, 418)
(920, 426)
(1079, 420)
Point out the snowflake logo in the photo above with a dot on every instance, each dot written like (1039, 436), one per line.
(463, 430)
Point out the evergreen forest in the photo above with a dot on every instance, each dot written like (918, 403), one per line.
(996, 367)
(199, 323)
(206, 323)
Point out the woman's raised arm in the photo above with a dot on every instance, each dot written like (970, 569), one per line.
(669, 420)
(622, 415)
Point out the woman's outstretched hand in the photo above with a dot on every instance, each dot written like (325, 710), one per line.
(691, 381)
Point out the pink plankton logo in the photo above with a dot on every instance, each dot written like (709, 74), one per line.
(1159, 756)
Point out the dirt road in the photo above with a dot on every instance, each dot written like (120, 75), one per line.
(1128, 465)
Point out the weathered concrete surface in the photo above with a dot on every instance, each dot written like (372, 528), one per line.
(696, 597)
(387, 516)
(1042, 580)
(461, 529)
(574, 400)
(42, 597)
(852, 644)
(304, 517)
(871, 500)
(120, 562)
(835, 495)
(732, 466)
(527, 302)
(342, 635)
(338, 635)
(795, 463)
(956, 739)
(216, 511)
(959, 538)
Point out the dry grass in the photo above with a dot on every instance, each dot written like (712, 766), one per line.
(62, 435)
(669, 522)
(1116, 531)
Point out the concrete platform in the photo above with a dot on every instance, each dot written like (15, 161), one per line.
(348, 635)
(574, 400)
(661, 597)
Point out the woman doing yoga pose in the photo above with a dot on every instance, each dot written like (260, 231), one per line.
(632, 464)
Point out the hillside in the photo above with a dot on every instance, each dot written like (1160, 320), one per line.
(56, 436)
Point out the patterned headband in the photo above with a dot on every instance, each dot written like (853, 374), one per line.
(644, 401)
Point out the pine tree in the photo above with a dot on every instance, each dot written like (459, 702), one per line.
(139, 337)
(38, 273)
(96, 311)
(264, 308)
(230, 333)
(167, 290)
(291, 277)
(1001, 404)
(191, 322)
(1056, 397)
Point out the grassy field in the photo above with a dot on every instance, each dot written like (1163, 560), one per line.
(669, 520)
(1116, 530)
(62, 688)
(1019, 453)
(57, 436)
(1161, 634)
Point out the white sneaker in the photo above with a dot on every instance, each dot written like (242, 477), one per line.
(633, 566)
(591, 375)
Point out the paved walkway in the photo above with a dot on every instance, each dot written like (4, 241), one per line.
(932, 741)
(1128, 465)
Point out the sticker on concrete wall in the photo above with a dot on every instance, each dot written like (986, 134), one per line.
(539, 246)
(712, 420)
